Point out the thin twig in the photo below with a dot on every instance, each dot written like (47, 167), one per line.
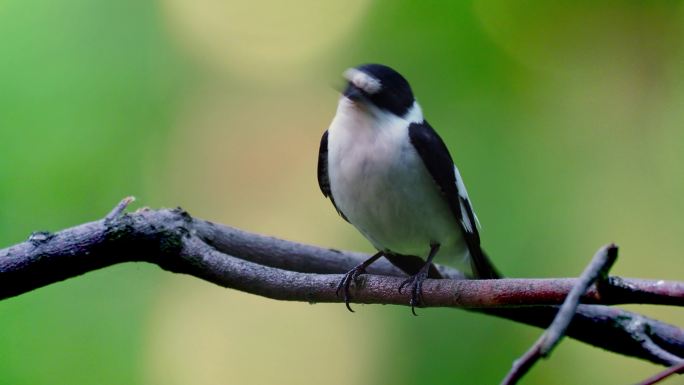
(597, 268)
(119, 209)
(674, 369)
(650, 346)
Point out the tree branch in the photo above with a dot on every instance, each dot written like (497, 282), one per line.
(285, 270)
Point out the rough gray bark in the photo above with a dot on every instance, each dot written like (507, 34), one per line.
(285, 270)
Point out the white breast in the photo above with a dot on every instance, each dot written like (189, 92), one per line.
(380, 184)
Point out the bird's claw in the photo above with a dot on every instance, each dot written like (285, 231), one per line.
(416, 282)
(346, 281)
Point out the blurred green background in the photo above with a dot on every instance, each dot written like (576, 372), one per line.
(565, 119)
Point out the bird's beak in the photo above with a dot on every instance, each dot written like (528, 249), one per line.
(353, 93)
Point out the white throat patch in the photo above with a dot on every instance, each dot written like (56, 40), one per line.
(362, 80)
(414, 114)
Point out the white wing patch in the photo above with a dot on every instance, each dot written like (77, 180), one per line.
(465, 220)
(463, 193)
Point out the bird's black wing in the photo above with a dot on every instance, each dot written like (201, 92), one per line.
(440, 165)
(323, 179)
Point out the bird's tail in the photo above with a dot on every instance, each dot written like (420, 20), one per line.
(482, 266)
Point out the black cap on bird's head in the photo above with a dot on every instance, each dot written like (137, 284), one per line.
(381, 86)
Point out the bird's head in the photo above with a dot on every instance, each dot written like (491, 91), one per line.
(380, 89)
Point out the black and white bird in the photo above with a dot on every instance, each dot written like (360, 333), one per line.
(390, 175)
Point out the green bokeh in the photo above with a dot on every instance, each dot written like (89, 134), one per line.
(85, 86)
(565, 121)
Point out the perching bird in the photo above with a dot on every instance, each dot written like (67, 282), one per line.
(390, 175)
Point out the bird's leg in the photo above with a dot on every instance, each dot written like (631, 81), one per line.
(416, 280)
(352, 275)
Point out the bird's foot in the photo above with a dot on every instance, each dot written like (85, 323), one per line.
(352, 275)
(416, 283)
(346, 281)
